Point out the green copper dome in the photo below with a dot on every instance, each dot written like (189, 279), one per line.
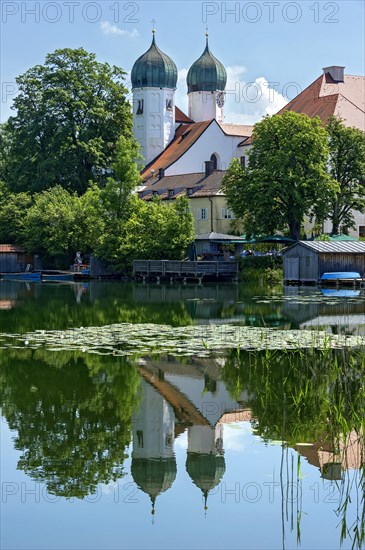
(207, 74)
(154, 69)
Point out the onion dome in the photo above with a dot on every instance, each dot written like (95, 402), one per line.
(154, 69)
(154, 476)
(207, 74)
(205, 471)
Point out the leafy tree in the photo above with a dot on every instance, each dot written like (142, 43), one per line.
(13, 209)
(286, 178)
(51, 223)
(347, 168)
(155, 230)
(70, 113)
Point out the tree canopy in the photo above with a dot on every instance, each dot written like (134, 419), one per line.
(286, 178)
(347, 168)
(70, 113)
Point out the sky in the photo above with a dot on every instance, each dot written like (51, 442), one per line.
(271, 50)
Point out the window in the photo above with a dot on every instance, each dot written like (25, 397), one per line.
(362, 231)
(243, 162)
(169, 105)
(171, 192)
(155, 193)
(140, 439)
(226, 214)
(189, 191)
(214, 161)
(139, 107)
(168, 440)
(202, 213)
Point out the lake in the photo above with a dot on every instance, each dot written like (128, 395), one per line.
(130, 409)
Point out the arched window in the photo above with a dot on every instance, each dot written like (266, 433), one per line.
(214, 160)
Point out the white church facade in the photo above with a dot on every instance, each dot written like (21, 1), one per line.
(190, 154)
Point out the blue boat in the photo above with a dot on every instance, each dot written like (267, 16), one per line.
(340, 275)
(343, 293)
(22, 276)
(54, 277)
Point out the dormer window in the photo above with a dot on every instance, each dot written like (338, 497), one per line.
(169, 106)
(189, 191)
(171, 192)
(155, 193)
(139, 107)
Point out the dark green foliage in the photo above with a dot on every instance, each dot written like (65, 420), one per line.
(73, 416)
(286, 178)
(347, 168)
(70, 113)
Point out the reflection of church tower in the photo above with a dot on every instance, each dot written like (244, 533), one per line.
(154, 78)
(206, 82)
(153, 461)
(205, 462)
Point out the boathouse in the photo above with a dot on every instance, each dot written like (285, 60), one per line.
(13, 258)
(307, 261)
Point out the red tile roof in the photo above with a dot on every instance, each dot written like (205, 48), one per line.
(182, 117)
(326, 97)
(185, 137)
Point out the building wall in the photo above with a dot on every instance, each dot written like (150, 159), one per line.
(203, 106)
(215, 222)
(213, 140)
(155, 127)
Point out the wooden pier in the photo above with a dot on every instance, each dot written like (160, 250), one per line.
(183, 270)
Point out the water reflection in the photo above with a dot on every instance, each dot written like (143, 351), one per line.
(72, 414)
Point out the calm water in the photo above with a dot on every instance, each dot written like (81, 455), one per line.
(99, 451)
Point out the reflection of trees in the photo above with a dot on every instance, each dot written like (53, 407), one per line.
(312, 396)
(73, 415)
(55, 307)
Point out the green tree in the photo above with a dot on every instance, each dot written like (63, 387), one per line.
(347, 168)
(51, 227)
(70, 113)
(286, 178)
(156, 230)
(13, 209)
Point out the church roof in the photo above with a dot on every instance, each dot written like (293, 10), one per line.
(185, 137)
(207, 74)
(205, 470)
(153, 476)
(154, 69)
(240, 130)
(182, 117)
(326, 97)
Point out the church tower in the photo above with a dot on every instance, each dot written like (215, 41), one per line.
(154, 78)
(206, 80)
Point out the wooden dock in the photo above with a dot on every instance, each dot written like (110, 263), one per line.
(183, 270)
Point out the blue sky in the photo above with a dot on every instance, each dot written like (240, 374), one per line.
(271, 49)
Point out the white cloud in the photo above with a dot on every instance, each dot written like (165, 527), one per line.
(235, 436)
(108, 28)
(246, 102)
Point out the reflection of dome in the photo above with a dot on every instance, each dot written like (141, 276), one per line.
(154, 69)
(205, 470)
(154, 476)
(207, 74)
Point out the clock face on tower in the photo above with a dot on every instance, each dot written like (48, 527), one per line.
(220, 99)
